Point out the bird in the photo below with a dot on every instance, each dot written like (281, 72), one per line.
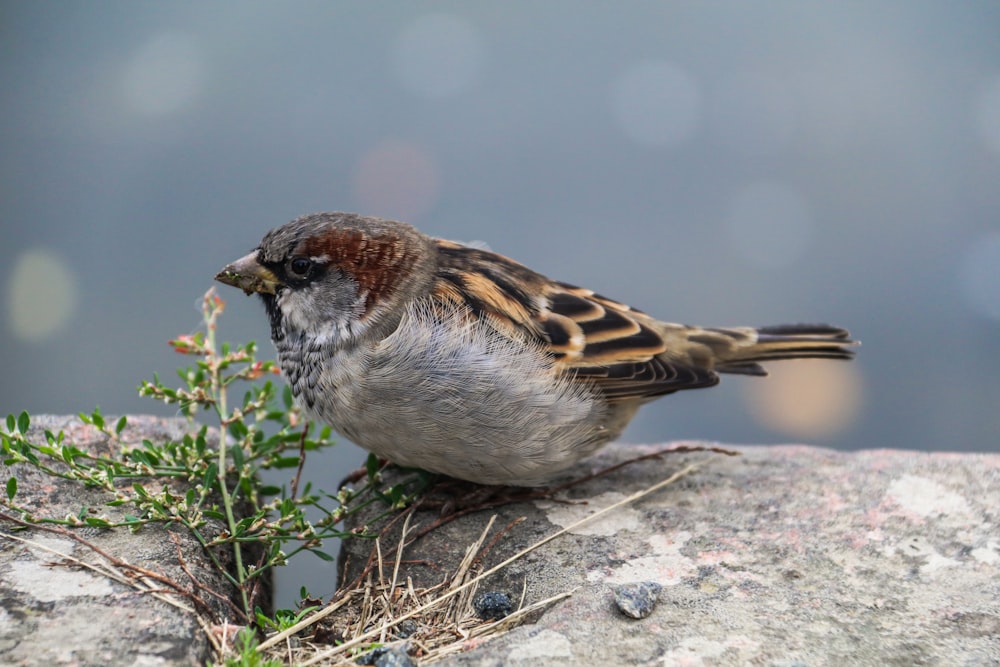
(457, 360)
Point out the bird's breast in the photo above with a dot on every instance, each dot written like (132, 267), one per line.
(451, 395)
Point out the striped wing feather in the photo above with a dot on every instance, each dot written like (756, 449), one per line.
(617, 348)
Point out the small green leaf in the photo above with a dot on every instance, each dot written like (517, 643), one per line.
(371, 465)
(210, 478)
(262, 619)
(200, 444)
(275, 415)
(238, 429)
(283, 462)
(143, 456)
(11, 424)
(66, 452)
(23, 422)
(120, 426)
(323, 555)
(242, 525)
(97, 419)
(11, 488)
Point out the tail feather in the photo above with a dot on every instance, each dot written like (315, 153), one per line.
(818, 330)
(789, 341)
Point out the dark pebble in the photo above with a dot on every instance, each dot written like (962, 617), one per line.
(386, 656)
(492, 606)
(637, 600)
(406, 628)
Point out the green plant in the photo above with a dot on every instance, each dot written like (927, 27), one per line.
(218, 469)
(282, 619)
(246, 653)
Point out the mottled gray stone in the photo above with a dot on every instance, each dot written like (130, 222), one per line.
(637, 599)
(784, 555)
(53, 612)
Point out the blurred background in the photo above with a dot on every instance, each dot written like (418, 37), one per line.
(712, 163)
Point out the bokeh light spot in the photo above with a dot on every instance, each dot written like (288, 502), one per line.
(988, 115)
(41, 295)
(396, 179)
(438, 55)
(769, 225)
(165, 76)
(979, 276)
(806, 398)
(656, 103)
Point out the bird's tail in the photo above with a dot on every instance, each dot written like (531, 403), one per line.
(742, 349)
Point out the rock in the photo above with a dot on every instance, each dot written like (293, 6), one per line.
(386, 656)
(492, 606)
(784, 555)
(55, 612)
(405, 628)
(637, 599)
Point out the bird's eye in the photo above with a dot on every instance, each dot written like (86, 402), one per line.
(300, 266)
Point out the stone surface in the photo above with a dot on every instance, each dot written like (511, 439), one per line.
(784, 555)
(54, 612)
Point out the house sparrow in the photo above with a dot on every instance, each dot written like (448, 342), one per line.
(460, 361)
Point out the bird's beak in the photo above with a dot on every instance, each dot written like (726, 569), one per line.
(249, 275)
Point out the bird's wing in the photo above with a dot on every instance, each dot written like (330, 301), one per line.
(616, 348)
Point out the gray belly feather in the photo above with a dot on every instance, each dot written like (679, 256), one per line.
(453, 396)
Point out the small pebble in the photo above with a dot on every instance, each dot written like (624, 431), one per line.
(406, 628)
(492, 606)
(637, 600)
(386, 656)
